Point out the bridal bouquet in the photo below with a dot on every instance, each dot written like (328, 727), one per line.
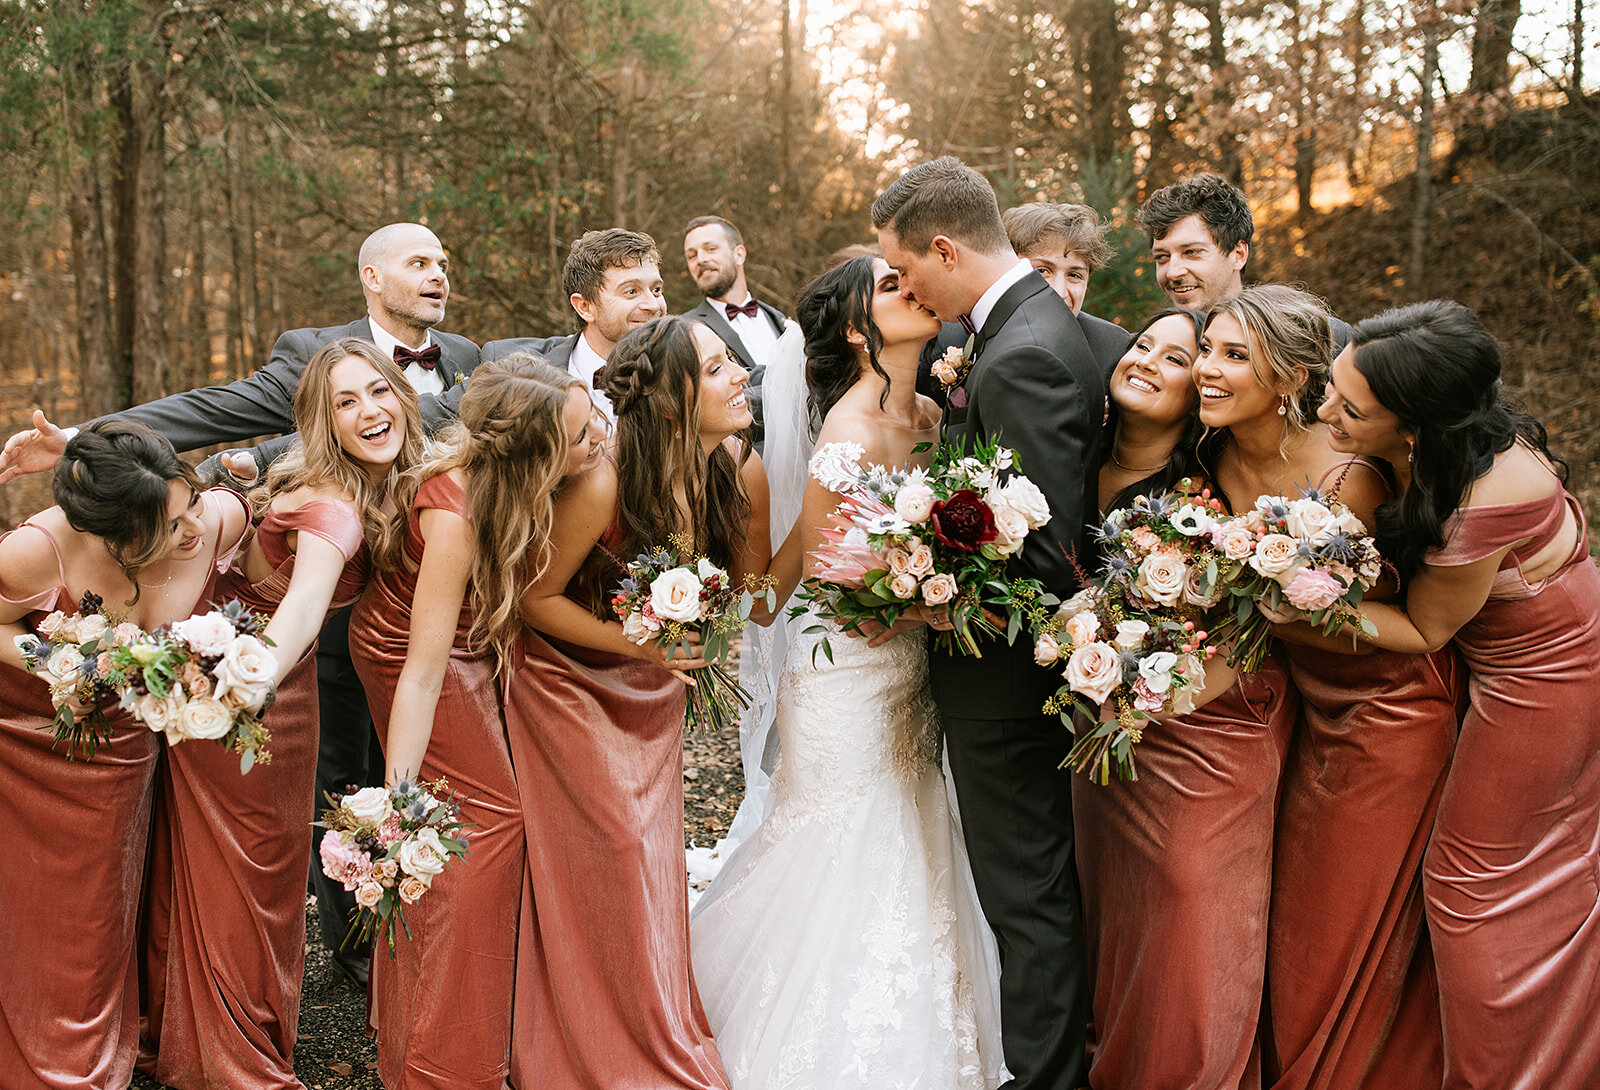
(1135, 642)
(668, 595)
(939, 536)
(387, 847)
(72, 654)
(208, 676)
(1310, 553)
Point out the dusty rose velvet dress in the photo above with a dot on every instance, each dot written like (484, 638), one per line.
(227, 916)
(605, 995)
(1512, 877)
(1352, 997)
(1176, 870)
(78, 833)
(442, 1004)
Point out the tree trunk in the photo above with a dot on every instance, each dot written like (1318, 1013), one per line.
(1576, 94)
(234, 321)
(1422, 190)
(1106, 61)
(785, 117)
(100, 391)
(1491, 46)
(124, 219)
(151, 352)
(1230, 162)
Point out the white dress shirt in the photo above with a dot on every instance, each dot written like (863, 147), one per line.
(985, 304)
(585, 362)
(423, 380)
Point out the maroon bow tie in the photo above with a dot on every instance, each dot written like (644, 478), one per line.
(427, 359)
(749, 310)
(598, 380)
(966, 324)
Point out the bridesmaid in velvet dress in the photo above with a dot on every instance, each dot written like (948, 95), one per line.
(132, 526)
(1351, 997)
(1176, 866)
(605, 991)
(227, 920)
(428, 639)
(1498, 558)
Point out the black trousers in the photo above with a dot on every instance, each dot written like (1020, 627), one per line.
(347, 756)
(1016, 812)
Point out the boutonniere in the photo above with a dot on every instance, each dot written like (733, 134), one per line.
(951, 371)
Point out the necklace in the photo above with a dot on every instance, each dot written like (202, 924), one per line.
(1120, 464)
(170, 577)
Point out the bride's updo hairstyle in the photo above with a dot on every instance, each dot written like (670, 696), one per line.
(1435, 367)
(834, 305)
(653, 381)
(114, 482)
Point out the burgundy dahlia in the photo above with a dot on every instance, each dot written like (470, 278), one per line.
(963, 522)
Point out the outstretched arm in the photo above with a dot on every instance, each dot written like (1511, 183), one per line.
(298, 618)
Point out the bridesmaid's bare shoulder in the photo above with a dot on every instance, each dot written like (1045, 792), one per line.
(1518, 475)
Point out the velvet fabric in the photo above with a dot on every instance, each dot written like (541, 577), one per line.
(1512, 877)
(226, 914)
(1177, 871)
(78, 832)
(1352, 998)
(441, 999)
(605, 995)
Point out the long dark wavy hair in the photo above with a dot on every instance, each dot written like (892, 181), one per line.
(1435, 367)
(114, 482)
(653, 381)
(829, 308)
(1184, 461)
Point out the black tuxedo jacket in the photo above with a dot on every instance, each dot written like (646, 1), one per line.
(263, 403)
(1035, 386)
(1108, 342)
(556, 351)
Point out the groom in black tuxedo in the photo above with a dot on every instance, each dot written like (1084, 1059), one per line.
(1034, 386)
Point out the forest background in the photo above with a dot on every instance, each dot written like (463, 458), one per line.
(182, 180)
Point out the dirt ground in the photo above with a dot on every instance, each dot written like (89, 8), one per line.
(334, 1051)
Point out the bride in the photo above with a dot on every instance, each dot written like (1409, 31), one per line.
(842, 945)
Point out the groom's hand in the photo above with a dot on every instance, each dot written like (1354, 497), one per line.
(935, 617)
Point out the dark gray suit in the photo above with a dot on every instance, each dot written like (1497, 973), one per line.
(263, 403)
(556, 351)
(1108, 342)
(1037, 387)
(713, 315)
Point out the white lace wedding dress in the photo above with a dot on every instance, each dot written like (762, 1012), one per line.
(842, 944)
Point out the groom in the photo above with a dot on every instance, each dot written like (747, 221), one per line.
(1035, 387)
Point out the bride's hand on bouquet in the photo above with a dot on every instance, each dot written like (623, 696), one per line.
(679, 658)
(935, 617)
(1284, 614)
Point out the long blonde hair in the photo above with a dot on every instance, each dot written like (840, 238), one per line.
(317, 459)
(512, 443)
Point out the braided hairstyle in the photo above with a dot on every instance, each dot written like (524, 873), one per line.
(1435, 367)
(653, 381)
(114, 482)
(830, 308)
(317, 458)
(512, 443)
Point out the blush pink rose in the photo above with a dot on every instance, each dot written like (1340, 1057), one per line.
(1095, 669)
(939, 589)
(1312, 590)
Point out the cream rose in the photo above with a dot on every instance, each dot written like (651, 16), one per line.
(903, 585)
(65, 665)
(126, 633)
(52, 624)
(247, 670)
(1195, 594)
(1309, 519)
(368, 894)
(1131, 634)
(155, 712)
(1161, 577)
(385, 871)
(1024, 497)
(1237, 541)
(1081, 628)
(1275, 554)
(1046, 650)
(1079, 602)
(92, 626)
(1010, 527)
(898, 560)
(209, 633)
(705, 569)
(939, 589)
(634, 629)
(1094, 670)
(1346, 521)
(914, 502)
(423, 856)
(675, 595)
(370, 805)
(921, 562)
(411, 889)
(944, 372)
(205, 718)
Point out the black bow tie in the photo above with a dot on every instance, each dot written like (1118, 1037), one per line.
(749, 310)
(427, 358)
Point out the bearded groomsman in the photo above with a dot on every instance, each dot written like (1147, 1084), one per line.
(715, 253)
(613, 281)
(404, 276)
(1034, 385)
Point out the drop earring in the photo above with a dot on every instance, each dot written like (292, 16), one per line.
(1283, 407)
